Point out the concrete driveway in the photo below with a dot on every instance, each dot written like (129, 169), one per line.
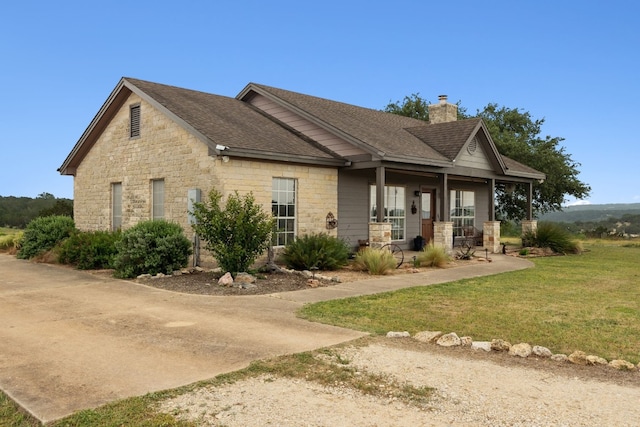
(70, 340)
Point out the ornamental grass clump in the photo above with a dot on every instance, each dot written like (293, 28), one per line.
(433, 256)
(319, 251)
(552, 236)
(376, 261)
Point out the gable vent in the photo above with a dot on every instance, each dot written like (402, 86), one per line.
(134, 121)
(473, 146)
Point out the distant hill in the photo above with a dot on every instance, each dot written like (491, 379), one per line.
(592, 213)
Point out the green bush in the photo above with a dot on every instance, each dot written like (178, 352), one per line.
(89, 250)
(319, 251)
(151, 247)
(43, 234)
(550, 235)
(433, 256)
(375, 261)
(236, 234)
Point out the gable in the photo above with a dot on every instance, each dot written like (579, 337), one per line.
(473, 155)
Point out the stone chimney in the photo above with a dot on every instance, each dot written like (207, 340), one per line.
(442, 112)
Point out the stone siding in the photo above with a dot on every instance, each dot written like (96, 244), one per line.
(165, 150)
(491, 236)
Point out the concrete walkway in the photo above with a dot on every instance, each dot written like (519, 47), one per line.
(70, 340)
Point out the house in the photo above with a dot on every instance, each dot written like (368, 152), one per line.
(319, 165)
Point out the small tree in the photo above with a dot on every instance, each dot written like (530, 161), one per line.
(236, 234)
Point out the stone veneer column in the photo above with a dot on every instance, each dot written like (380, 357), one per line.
(491, 236)
(379, 234)
(529, 225)
(443, 235)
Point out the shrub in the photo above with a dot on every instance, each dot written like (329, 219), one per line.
(552, 236)
(375, 261)
(89, 250)
(43, 234)
(235, 235)
(319, 251)
(433, 256)
(151, 247)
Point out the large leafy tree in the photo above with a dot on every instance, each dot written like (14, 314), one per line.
(517, 135)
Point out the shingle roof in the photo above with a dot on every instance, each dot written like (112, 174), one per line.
(226, 121)
(447, 138)
(383, 132)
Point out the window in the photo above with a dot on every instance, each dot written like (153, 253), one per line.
(283, 208)
(463, 210)
(394, 209)
(116, 206)
(134, 121)
(157, 199)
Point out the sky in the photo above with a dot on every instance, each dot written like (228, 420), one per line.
(574, 64)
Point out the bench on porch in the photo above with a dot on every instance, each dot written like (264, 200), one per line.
(471, 237)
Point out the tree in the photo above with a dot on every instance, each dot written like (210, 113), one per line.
(236, 234)
(517, 136)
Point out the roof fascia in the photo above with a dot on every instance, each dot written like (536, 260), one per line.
(279, 157)
(246, 92)
(98, 124)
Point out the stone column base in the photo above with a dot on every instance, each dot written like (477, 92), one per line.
(443, 235)
(379, 234)
(491, 236)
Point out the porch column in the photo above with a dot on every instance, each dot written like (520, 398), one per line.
(491, 236)
(443, 235)
(530, 201)
(380, 183)
(444, 191)
(492, 200)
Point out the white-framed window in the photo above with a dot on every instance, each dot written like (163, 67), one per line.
(283, 208)
(394, 209)
(157, 199)
(462, 210)
(116, 206)
(134, 121)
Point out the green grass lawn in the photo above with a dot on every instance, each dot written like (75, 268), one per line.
(588, 302)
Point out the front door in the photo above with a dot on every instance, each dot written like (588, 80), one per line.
(427, 206)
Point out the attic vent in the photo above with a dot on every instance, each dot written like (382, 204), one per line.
(134, 121)
(473, 146)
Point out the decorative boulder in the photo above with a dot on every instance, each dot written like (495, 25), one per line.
(427, 336)
(466, 341)
(481, 345)
(520, 350)
(559, 357)
(622, 365)
(500, 345)
(541, 351)
(393, 334)
(245, 278)
(449, 340)
(226, 280)
(578, 357)
(596, 360)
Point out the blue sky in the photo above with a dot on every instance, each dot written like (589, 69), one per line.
(575, 64)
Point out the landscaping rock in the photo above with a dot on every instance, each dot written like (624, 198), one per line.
(144, 276)
(596, 360)
(559, 357)
(578, 357)
(427, 336)
(226, 280)
(176, 273)
(622, 365)
(520, 350)
(466, 341)
(449, 340)
(244, 278)
(541, 351)
(481, 345)
(392, 334)
(500, 345)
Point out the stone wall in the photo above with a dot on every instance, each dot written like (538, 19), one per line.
(443, 235)
(379, 234)
(491, 236)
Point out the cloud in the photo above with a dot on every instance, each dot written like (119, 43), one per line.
(578, 203)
